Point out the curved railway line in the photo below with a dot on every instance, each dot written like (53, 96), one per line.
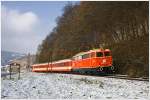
(117, 76)
(128, 78)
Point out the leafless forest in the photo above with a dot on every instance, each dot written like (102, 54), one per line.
(122, 27)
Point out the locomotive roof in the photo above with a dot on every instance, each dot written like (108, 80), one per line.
(94, 50)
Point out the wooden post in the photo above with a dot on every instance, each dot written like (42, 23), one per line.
(19, 71)
(10, 70)
(28, 62)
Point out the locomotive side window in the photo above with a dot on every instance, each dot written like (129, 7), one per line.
(80, 57)
(85, 56)
(92, 54)
(99, 54)
(107, 53)
(73, 58)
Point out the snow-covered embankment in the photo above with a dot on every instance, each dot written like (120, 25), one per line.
(61, 86)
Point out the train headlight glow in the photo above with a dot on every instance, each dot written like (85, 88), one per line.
(93, 61)
(104, 60)
(73, 64)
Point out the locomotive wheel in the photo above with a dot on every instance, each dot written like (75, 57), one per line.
(101, 69)
(112, 67)
(111, 70)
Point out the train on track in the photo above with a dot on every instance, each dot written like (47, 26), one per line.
(96, 60)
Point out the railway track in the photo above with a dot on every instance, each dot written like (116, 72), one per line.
(128, 78)
(117, 76)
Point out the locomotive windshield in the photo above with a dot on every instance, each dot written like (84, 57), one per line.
(99, 54)
(107, 53)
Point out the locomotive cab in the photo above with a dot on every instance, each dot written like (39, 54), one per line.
(104, 60)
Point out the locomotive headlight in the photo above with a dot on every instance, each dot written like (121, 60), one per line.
(104, 60)
(73, 64)
(93, 61)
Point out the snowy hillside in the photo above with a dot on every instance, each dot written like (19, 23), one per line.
(66, 86)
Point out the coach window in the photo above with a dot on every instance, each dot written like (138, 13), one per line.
(99, 54)
(85, 56)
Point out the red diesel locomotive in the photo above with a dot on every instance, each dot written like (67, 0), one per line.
(93, 60)
(90, 61)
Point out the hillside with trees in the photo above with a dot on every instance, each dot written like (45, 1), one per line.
(123, 27)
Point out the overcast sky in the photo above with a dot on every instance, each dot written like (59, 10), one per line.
(26, 24)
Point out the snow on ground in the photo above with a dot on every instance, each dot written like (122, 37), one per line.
(67, 86)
